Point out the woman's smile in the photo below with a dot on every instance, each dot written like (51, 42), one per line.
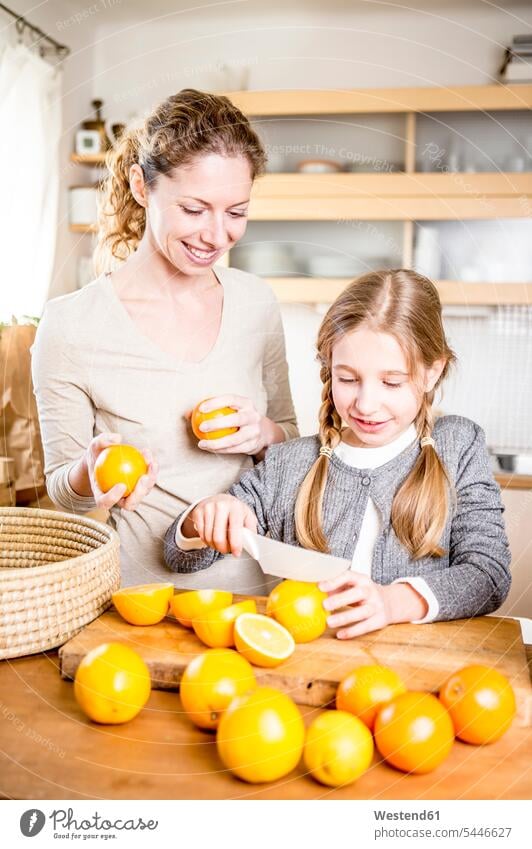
(200, 256)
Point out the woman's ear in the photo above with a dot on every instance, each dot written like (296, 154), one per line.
(137, 185)
(433, 374)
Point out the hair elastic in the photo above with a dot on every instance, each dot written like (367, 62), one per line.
(427, 440)
(325, 451)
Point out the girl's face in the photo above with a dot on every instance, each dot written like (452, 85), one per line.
(372, 389)
(198, 213)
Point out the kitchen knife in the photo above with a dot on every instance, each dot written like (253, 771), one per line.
(289, 561)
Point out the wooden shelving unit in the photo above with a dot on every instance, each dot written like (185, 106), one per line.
(390, 197)
(312, 290)
(88, 158)
(83, 228)
(467, 98)
(406, 197)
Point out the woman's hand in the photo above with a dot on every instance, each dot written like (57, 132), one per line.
(255, 432)
(366, 606)
(115, 495)
(219, 521)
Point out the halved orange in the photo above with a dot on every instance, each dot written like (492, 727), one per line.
(215, 628)
(186, 606)
(262, 640)
(145, 604)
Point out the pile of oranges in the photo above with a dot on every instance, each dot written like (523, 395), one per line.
(295, 614)
(260, 733)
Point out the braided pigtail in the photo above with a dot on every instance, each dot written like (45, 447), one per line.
(421, 504)
(308, 510)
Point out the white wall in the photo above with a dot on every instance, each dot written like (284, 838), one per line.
(340, 46)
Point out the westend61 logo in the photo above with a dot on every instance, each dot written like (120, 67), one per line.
(65, 825)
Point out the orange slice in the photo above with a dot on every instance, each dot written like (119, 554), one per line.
(145, 604)
(187, 606)
(262, 640)
(215, 628)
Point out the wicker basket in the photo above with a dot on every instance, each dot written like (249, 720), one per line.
(57, 574)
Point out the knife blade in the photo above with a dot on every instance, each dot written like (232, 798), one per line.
(289, 561)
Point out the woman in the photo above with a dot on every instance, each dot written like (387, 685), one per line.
(128, 356)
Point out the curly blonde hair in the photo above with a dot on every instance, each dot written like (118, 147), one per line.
(407, 306)
(186, 125)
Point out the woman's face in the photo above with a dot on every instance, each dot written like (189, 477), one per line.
(198, 213)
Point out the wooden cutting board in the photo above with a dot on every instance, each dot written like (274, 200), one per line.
(424, 655)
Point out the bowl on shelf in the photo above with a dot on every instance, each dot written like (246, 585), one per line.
(319, 166)
(368, 167)
(331, 265)
(267, 259)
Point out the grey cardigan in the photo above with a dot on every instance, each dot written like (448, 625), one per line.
(470, 579)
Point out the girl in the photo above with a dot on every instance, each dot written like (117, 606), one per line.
(409, 500)
(127, 356)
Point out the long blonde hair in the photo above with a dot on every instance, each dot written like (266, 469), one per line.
(186, 125)
(407, 306)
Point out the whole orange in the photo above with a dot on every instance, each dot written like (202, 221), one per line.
(198, 417)
(209, 683)
(364, 690)
(112, 684)
(481, 703)
(261, 735)
(119, 464)
(338, 748)
(298, 606)
(414, 732)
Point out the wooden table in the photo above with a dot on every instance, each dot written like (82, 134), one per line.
(50, 750)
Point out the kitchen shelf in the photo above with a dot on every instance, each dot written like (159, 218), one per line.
(405, 197)
(390, 197)
(83, 228)
(508, 480)
(88, 158)
(313, 290)
(382, 100)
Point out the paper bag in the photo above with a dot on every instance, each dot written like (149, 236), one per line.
(20, 436)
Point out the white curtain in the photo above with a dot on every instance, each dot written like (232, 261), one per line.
(30, 129)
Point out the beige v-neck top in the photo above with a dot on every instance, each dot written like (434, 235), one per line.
(93, 371)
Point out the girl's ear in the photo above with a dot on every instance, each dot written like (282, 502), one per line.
(137, 185)
(433, 374)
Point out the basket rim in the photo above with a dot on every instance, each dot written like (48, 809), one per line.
(13, 573)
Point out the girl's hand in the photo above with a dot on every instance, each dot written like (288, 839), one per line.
(369, 606)
(219, 521)
(253, 432)
(115, 495)
(365, 602)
